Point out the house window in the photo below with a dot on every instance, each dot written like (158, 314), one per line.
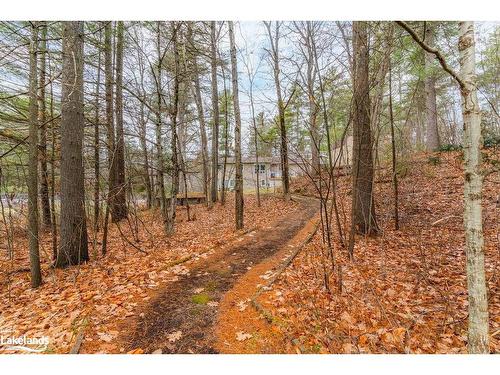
(260, 168)
(262, 182)
(231, 183)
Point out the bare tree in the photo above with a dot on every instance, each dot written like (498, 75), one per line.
(393, 149)
(307, 33)
(432, 141)
(274, 54)
(238, 187)
(160, 168)
(110, 129)
(251, 74)
(97, 160)
(170, 224)
(199, 107)
(36, 275)
(215, 113)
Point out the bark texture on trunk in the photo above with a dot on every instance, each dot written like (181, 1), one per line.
(363, 206)
(110, 128)
(119, 210)
(478, 340)
(170, 224)
(393, 149)
(74, 246)
(420, 101)
(238, 187)
(160, 166)
(145, 154)
(97, 161)
(432, 143)
(36, 275)
(42, 119)
(215, 114)
(199, 108)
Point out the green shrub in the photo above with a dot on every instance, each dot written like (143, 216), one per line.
(434, 160)
(449, 147)
(491, 141)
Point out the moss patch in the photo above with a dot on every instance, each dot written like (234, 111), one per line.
(200, 299)
(211, 286)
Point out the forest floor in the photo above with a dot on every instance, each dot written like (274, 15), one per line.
(405, 292)
(182, 317)
(103, 298)
(211, 289)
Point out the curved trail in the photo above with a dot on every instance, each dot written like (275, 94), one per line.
(190, 304)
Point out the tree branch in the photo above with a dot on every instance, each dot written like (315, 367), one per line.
(434, 51)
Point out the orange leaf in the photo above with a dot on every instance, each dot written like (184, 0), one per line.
(136, 351)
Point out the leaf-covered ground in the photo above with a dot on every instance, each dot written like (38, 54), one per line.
(406, 290)
(104, 296)
(404, 293)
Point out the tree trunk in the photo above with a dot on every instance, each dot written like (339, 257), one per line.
(285, 181)
(74, 246)
(237, 133)
(160, 166)
(215, 114)
(97, 143)
(170, 224)
(53, 173)
(331, 167)
(144, 148)
(110, 129)
(223, 186)
(119, 210)
(201, 114)
(36, 275)
(363, 206)
(432, 143)
(478, 341)
(42, 119)
(420, 122)
(313, 108)
(182, 138)
(393, 149)
(255, 135)
(377, 97)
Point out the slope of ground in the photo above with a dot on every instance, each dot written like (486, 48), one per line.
(406, 290)
(102, 296)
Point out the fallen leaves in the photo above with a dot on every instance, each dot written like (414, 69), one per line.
(242, 305)
(136, 351)
(174, 336)
(406, 291)
(114, 289)
(242, 336)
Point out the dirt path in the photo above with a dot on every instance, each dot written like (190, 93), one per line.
(182, 317)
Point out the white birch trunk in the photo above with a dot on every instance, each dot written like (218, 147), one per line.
(476, 281)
